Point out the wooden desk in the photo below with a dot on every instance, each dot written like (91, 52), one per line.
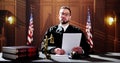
(108, 57)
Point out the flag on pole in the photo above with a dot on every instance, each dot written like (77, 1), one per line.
(30, 30)
(89, 29)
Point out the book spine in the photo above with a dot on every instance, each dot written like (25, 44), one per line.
(20, 56)
(19, 51)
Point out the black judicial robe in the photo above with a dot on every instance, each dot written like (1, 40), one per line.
(57, 33)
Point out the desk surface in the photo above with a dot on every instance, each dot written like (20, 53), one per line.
(108, 57)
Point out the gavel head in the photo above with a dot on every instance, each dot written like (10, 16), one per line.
(76, 55)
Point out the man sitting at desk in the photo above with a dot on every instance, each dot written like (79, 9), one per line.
(65, 27)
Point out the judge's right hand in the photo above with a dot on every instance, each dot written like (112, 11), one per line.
(59, 51)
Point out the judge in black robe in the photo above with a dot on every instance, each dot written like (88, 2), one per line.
(65, 27)
(57, 32)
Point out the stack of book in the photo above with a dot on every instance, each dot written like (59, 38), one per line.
(20, 52)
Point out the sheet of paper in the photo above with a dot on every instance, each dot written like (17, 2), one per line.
(70, 40)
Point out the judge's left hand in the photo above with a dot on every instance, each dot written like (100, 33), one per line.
(78, 49)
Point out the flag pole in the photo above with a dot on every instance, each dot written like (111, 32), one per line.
(30, 28)
(89, 31)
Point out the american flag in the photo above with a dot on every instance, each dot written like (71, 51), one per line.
(30, 31)
(88, 30)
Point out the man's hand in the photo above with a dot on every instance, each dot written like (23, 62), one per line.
(59, 51)
(78, 50)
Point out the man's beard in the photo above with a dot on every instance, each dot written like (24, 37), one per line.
(64, 22)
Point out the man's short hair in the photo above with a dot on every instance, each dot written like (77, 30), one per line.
(66, 7)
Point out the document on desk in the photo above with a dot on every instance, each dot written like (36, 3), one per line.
(70, 40)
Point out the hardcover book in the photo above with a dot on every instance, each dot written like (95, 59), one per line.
(19, 56)
(18, 49)
(20, 52)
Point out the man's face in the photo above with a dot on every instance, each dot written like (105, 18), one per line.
(64, 16)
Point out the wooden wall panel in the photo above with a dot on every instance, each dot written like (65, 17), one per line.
(8, 36)
(9, 31)
(20, 30)
(112, 8)
(99, 27)
(16, 33)
(46, 19)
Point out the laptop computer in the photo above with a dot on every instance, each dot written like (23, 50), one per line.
(70, 40)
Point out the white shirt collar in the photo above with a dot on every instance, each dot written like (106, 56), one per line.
(64, 26)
